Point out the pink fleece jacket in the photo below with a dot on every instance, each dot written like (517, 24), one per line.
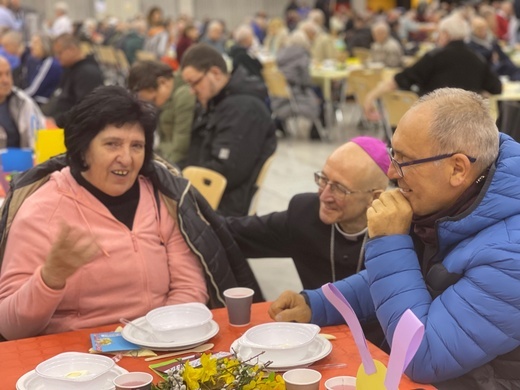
(134, 273)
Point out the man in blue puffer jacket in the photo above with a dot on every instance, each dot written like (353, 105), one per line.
(445, 244)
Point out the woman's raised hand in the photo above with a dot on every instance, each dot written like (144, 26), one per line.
(73, 249)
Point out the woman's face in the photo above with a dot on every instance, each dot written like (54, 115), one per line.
(115, 157)
(193, 33)
(36, 47)
(156, 17)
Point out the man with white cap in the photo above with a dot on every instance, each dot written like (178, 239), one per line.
(323, 232)
(62, 24)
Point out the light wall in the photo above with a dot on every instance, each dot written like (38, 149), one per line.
(233, 12)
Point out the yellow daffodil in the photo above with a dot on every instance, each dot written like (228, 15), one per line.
(191, 376)
(222, 372)
(209, 368)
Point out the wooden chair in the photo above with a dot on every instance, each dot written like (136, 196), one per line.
(360, 82)
(362, 53)
(86, 48)
(210, 184)
(107, 60)
(278, 87)
(259, 184)
(142, 55)
(393, 105)
(122, 62)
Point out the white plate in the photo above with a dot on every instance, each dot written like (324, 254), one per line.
(134, 335)
(32, 381)
(317, 349)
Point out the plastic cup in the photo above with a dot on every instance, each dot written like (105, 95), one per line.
(341, 383)
(302, 379)
(238, 303)
(133, 381)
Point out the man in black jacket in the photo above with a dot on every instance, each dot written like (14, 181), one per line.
(233, 133)
(240, 52)
(483, 42)
(323, 232)
(452, 64)
(81, 76)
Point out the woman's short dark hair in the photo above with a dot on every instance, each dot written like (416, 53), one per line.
(149, 16)
(105, 106)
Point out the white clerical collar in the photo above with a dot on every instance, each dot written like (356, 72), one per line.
(350, 236)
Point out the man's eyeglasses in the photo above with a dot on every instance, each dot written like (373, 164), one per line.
(399, 166)
(197, 82)
(336, 189)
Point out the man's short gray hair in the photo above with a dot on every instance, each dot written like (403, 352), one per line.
(12, 37)
(309, 27)
(462, 123)
(299, 38)
(61, 6)
(381, 25)
(455, 26)
(215, 24)
(242, 33)
(317, 16)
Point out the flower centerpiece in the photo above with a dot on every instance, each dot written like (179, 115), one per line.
(229, 373)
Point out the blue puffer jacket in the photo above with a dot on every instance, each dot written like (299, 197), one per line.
(472, 321)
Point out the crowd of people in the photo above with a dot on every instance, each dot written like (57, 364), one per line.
(428, 222)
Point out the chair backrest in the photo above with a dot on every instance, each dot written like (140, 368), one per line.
(106, 55)
(361, 81)
(259, 183)
(86, 48)
(276, 83)
(122, 61)
(142, 55)
(210, 184)
(362, 53)
(395, 104)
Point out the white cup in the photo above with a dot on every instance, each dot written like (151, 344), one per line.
(341, 383)
(302, 379)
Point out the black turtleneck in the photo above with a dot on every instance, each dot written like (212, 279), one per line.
(424, 228)
(122, 207)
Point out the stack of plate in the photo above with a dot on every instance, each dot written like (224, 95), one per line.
(72, 371)
(287, 345)
(172, 327)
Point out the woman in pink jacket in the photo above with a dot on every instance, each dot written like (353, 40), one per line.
(95, 243)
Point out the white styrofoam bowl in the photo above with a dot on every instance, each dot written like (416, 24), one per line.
(186, 321)
(75, 370)
(280, 342)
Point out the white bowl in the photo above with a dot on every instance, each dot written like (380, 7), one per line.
(280, 341)
(75, 370)
(185, 321)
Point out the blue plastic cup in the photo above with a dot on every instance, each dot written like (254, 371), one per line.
(16, 159)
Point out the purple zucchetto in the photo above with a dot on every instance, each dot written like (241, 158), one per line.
(376, 149)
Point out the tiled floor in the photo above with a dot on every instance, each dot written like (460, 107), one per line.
(291, 173)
